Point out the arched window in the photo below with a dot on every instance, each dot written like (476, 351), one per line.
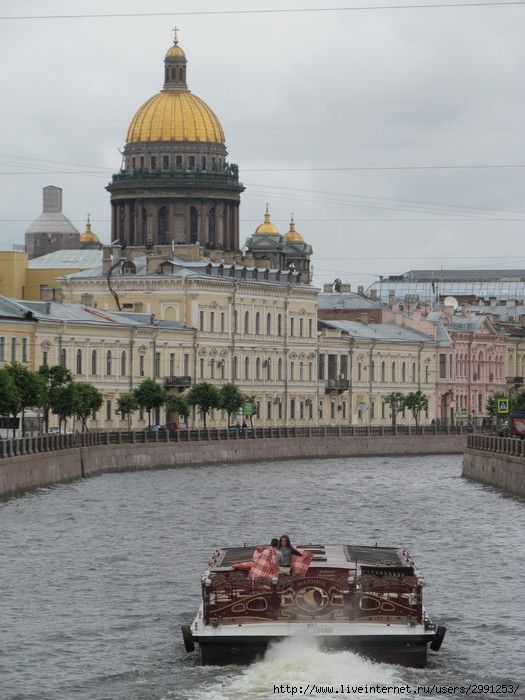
(247, 322)
(258, 368)
(268, 324)
(279, 368)
(123, 363)
(257, 323)
(79, 361)
(235, 370)
(94, 362)
(246, 367)
(383, 372)
(279, 325)
(108, 362)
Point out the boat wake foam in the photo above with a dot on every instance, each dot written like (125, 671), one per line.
(299, 663)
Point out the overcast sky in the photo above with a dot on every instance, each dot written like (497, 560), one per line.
(393, 130)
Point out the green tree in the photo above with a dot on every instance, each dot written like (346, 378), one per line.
(9, 396)
(126, 406)
(416, 402)
(396, 402)
(178, 404)
(54, 376)
(150, 396)
(517, 403)
(64, 401)
(88, 400)
(206, 396)
(31, 390)
(491, 407)
(231, 399)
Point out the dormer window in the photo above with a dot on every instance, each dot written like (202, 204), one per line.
(129, 268)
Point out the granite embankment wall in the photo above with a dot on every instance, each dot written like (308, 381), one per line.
(68, 462)
(496, 461)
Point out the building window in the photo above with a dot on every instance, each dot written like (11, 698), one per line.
(268, 324)
(141, 365)
(414, 375)
(301, 327)
(44, 357)
(403, 372)
(212, 321)
(246, 368)
(108, 362)
(165, 162)
(186, 365)
(310, 327)
(442, 366)
(201, 367)
(234, 368)
(223, 322)
(258, 368)
(393, 371)
(25, 350)
(292, 409)
(94, 362)
(372, 371)
(268, 409)
(257, 323)
(108, 409)
(383, 371)
(247, 322)
(123, 363)
(359, 367)
(279, 325)
(79, 361)
(2, 348)
(343, 366)
(320, 367)
(292, 371)
(63, 357)
(172, 364)
(279, 369)
(292, 327)
(201, 320)
(13, 349)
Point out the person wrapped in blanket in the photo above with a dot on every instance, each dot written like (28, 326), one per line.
(266, 562)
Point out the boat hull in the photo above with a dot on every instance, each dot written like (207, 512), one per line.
(244, 643)
(243, 650)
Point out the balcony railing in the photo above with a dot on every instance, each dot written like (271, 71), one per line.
(177, 382)
(337, 386)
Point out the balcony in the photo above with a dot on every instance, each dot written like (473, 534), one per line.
(337, 386)
(179, 383)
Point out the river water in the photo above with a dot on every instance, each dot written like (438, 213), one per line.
(97, 577)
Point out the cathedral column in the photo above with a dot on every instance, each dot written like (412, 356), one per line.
(203, 238)
(227, 226)
(127, 222)
(187, 225)
(171, 222)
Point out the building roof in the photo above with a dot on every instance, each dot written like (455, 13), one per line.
(347, 300)
(63, 259)
(386, 332)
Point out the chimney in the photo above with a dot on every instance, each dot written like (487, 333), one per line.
(360, 290)
(391, 298)
(346, 288)
(364, 318)
(106, 259)
(328, 288)
(116, 250)
(373, 294)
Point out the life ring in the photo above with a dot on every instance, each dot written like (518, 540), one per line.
(438, 638)
(187, 637)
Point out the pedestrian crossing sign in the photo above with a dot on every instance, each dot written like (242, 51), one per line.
(463, 411)
(503, 405)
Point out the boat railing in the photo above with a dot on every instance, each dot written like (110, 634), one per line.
(233, 598)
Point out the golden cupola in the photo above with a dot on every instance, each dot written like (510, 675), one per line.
(175, 114)
(293, 236)
(267, 228)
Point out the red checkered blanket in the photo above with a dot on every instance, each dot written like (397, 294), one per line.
(264, 563)
(301, 564)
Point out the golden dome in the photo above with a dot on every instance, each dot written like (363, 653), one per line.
(293, 236)
(88, 236)
(175, 114)
(267, 227)
(175, 50)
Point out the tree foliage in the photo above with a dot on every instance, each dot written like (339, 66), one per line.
(88, 400)
(416, 402)
(9, 396)
(150, 396)
(517, 403)
(54, 376)
(396, 402)
(231, 399)
(126, 406)
(31, 390)
(178, 404)
(206, 396)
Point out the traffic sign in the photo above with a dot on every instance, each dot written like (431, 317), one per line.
(463, 411)
(503, 405)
